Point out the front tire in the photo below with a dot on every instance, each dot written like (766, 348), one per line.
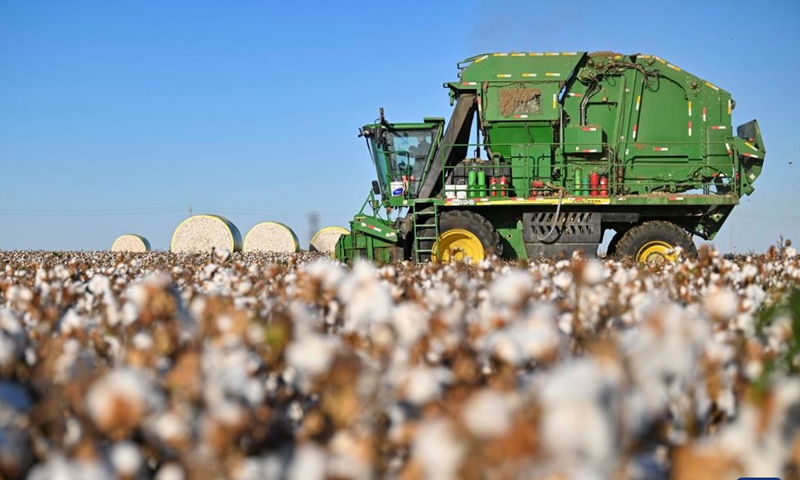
(655, 242)
(462, 234)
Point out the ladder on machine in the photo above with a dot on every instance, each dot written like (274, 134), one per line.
(422, 213)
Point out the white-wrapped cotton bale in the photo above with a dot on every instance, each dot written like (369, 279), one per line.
(130, 242)
(203, 233)
(271, 237)
(325, 240)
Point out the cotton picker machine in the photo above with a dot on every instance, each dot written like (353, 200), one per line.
(544, 152)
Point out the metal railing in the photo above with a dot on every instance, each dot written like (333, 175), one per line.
(540, 169)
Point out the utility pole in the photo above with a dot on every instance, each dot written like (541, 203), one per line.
(313, 224)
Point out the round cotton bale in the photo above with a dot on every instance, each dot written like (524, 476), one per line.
(271, 237)
(130, 242)
(325, 240)
(204, 233)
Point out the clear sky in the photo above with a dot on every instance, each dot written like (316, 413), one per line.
(118, 116)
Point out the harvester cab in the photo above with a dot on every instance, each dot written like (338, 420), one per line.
(401, 153)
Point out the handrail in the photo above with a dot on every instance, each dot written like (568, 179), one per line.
(721, 174)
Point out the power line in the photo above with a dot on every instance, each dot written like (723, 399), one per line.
(106, 213)
(13, 213)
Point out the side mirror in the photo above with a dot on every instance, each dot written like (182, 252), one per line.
(376, 189)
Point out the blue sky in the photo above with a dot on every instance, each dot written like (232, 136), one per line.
(117, 117)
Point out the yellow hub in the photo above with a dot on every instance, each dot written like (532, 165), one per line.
(457, 244)
(656, 252)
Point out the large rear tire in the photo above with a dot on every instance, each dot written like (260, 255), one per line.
(654, 242)
(462, 235)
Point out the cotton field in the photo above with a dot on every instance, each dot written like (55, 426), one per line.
(258, 366)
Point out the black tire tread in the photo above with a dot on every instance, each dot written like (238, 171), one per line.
(630, 243)
(612, 245)
(466, 220)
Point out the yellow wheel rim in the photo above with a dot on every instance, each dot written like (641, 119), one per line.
(458, 245)
(657, 252)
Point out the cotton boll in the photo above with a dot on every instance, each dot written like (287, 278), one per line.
(142, 341)
(382, 335)
(58, 468)
(130, 314)
(171, 471)
(721, 304)
(72, 322)
(65, 365)
(312, 354)
(259, 468)
(563, 280)
(579, 412)
(348, 457)
(505, 347)
(424, 384)
(171, 427)
(126, 458)
(119, 401)
(9, 350)
(439, 451)
(330, 273)
(593, 273)
(535, 338)
(137, 295)
(511, 289)
(410, 321)
(309, 463)
(565, 323)
(99, 284)
(10, 324)
(487, 414)
(73, 432)
(368, 299)
(223, 254)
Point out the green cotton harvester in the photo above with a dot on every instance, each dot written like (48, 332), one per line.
(544, 152)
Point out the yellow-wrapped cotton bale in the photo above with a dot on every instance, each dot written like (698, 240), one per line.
(204, 233)
(130, 242)
(325, 240)
(271, 237)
